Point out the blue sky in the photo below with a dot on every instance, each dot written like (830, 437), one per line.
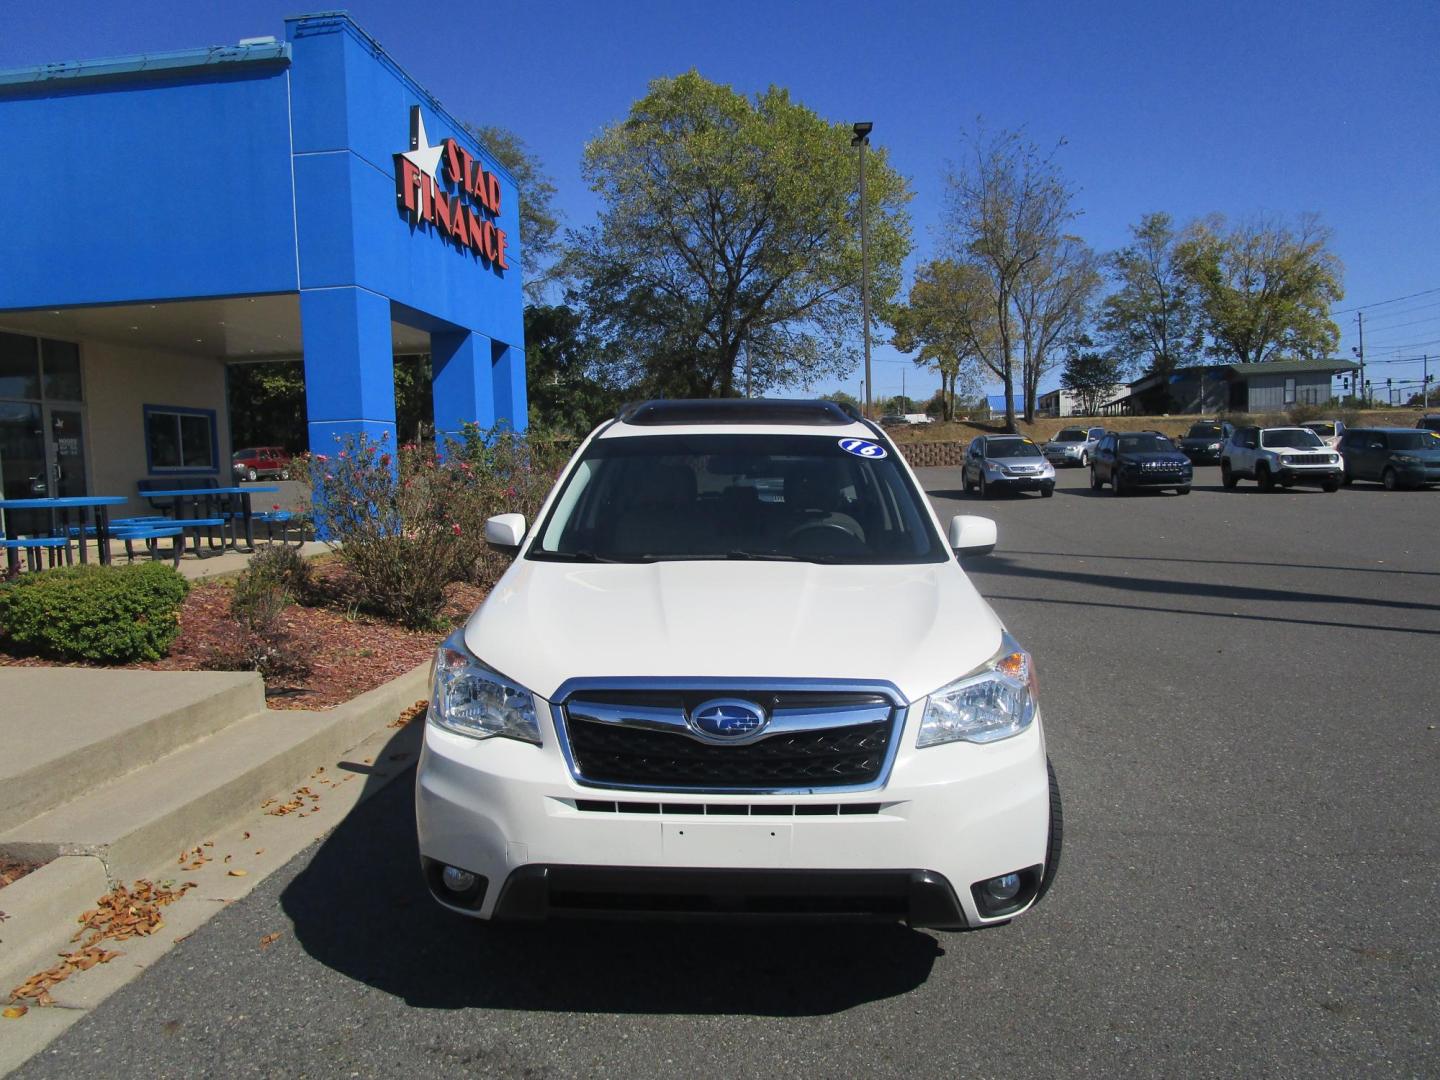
(1240, 108)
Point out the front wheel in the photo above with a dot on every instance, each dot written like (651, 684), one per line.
(966, 484)
(1265, 479)
(1115, 488)
(284, 474)
(1389, 479)
(1182, 491)
(984, 487)
(1095, 482)
(1347, 479)
(1228, 478)
(1047, 491)
(251, 474)
(1084, 459)
(1331, 485)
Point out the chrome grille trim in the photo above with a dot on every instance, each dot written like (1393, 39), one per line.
(571, 694)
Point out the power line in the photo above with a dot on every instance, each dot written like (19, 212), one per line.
(1381, 303)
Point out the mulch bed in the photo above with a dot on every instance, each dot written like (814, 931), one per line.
(348, 652)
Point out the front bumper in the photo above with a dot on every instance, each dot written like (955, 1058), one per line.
(1156, 478)
(1033, 482)
(947, 818)
(1201, 455)
(1063, 458)
(1309, 474)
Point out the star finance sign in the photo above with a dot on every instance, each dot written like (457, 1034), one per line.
(463, 214)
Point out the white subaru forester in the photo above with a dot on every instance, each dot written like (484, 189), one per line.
(736, 670)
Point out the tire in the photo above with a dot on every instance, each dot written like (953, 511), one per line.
(1347, 479)
(1228, 478)
(1115, 488)
(1330, 485)
(966, 484)
(1389, 479)
(1264, 479)
(284, 474)
(984, 487)
(1095, 482)
(1182, 491)
(1047, 491)
(1084, 459)
(251, 474)
(1056, 841)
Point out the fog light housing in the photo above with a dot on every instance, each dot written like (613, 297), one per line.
(459, 881)
(1007, 893)
(454, 885)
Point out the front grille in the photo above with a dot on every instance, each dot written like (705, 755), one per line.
(1309, 459)
(604, 806)
(847, 754)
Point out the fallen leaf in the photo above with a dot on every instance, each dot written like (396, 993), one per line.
(14, 1012)
(246, 836)
(226, 859)
(269, 939)
(260, 851)
(237, 873)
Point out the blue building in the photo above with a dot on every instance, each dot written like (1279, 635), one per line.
(163, 217)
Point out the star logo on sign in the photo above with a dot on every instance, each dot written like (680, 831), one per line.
(422, 155)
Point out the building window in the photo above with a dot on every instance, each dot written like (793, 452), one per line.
(180, 440)
(1289, 391)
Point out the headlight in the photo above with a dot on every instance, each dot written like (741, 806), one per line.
(471, 698)
(1215, 445)
(996, 702)
(1405, 459)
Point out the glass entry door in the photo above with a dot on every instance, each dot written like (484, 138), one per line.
(66, 451)
(23, 464)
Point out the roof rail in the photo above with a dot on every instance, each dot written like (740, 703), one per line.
(661, 413)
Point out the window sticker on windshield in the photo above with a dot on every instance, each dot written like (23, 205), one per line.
(861, 448)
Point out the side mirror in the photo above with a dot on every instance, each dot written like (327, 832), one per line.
(971, 535)
(505, 531)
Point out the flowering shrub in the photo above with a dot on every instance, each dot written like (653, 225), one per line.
(407, 521)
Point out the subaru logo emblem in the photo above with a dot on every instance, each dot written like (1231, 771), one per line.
(727, 719)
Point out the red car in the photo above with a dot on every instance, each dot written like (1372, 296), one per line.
(258, 461)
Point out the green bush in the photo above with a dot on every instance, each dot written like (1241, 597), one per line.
(410, 522)
(108, 614)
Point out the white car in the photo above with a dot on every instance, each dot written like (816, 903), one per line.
(737, 670)
(1283, 455)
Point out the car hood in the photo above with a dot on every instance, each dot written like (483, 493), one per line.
(1063, 445)
(917, 626)
(1202, 440)
(1013, 461)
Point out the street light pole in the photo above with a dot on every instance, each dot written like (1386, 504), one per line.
(862, 140)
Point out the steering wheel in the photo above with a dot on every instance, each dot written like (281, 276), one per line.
(828, 533)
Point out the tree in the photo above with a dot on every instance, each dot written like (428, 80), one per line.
(539, 220)
(840, 397)
(1266, 287)
(1052, 303)
(731, 226)
(1152, 323)
(950, 319)
(1007, 208)
(1089, 375)
(267, 404)
(567, 389)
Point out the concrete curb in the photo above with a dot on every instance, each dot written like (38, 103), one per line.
(43, 905)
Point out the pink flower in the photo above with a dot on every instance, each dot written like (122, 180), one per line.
(274, 506)
(342, 455)
(510, 492)
(455, 528)
(321, 457)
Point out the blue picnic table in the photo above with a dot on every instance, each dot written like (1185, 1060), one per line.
(93, 507)
(202, 501)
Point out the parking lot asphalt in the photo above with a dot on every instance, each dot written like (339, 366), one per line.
(1239, 696)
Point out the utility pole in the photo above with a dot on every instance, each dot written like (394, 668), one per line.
(1360, 320)
(862, 140)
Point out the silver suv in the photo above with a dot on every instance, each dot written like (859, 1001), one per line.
(1283, 455)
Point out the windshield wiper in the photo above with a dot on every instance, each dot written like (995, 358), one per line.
(578, 556)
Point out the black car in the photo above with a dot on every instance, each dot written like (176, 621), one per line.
(1396, 457)
(1429, 422)
(1129, 460)
(1202, 443)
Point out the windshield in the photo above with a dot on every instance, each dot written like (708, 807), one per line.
(1294, 438)
(1324, 428)
(1204, 431)
(1414, 440)
(1144, 443)
(1070, 434)
(677, 497)
(1008, 448)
